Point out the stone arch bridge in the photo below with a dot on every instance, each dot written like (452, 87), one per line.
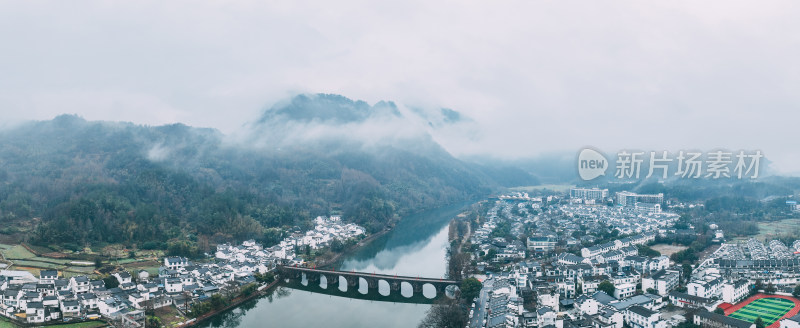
(353, 279)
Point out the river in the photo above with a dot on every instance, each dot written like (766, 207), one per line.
(415, 247)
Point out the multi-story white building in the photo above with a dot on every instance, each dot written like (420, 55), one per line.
(79, 284)
(175, 262)
(624, 290)
(588, 194)
(733, 292)
(640, 317)
(706, 289)
(541, 244)
(629, 199)
(662, 281)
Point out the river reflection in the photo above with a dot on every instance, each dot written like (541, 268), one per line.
(416, 247)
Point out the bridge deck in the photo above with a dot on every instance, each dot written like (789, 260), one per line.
(371, 275)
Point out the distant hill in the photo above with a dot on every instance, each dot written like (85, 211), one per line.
(185, 188)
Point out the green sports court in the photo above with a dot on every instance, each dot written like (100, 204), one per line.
(770, 309)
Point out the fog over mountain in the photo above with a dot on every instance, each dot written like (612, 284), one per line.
(71, 180)
(534, 77)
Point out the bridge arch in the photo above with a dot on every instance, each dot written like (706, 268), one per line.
(384, 288)
(451, 291)
(406, 289)
(363, 285)
(304, 279)
(429, 291)
(343, 285)
(328, 280)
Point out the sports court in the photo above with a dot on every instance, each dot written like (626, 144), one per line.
(771, 308)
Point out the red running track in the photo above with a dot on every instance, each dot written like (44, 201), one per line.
(775, 324)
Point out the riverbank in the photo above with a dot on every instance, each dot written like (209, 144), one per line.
(368, 240)
(415, 245)
(352, 249)
(263, 290)
(266, 290)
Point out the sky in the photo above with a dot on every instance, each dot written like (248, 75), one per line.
(534, 76)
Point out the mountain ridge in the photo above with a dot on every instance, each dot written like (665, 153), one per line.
(183, 188)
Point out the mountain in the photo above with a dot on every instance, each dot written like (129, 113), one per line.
(69, 182)
(328, 108)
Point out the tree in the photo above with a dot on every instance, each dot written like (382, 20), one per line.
(445, 313)
(470, 288)
(759, 322)
(687, 271)
(490, 254)
(265, 278)
(111, 282)
(770, 289)
(249, 289)
(607, 287)
(796, 292)
(153, 321)
(719, 311)
(647, 251)
(759, 285)
(652, 291)
(217, 301)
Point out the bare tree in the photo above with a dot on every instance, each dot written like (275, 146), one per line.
(446, 313)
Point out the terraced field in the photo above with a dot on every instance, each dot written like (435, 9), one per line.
(37, 264)
(17, 252)
(24, 259)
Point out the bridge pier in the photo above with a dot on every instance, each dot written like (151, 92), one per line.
(417, 287)
(394, 285)
(372, 284)
(440, 289)
(352, 281)
(332, 280)
(313, 278)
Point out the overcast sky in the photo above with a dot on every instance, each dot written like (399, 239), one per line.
(536, 76)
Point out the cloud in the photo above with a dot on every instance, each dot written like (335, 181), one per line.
(158, 153)
(535, 76)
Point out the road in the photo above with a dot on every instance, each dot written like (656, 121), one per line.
(479, 316)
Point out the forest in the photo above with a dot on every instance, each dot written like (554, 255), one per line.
(70, 183)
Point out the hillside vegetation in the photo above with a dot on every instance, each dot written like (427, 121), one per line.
(74, 183)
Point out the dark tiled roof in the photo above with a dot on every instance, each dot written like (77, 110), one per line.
(733, 322)
(642, 311)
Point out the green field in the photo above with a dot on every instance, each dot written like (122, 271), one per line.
(769, 309)
(85, 324)
(80, 270)
(50, 260)
(17, 253)
(774, 229)
(127, 261)
(37, 264)
(6, 323)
